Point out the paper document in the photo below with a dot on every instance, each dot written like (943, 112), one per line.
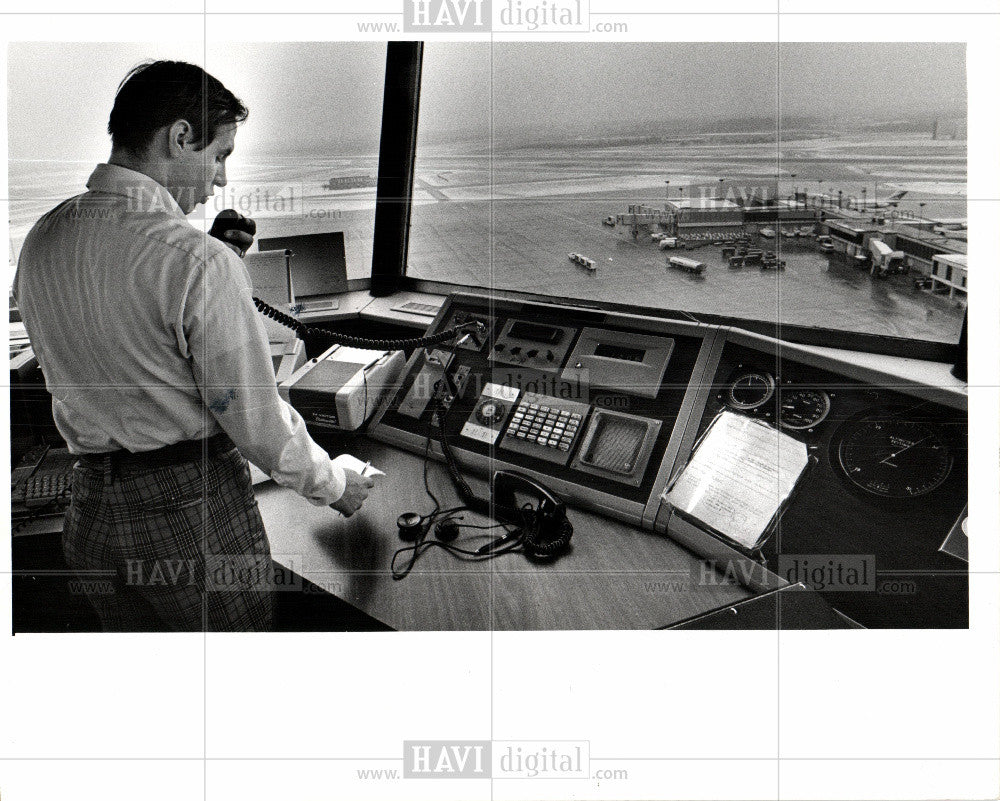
(270, 280)
(349, 462)
(737, 479)
(257, 476)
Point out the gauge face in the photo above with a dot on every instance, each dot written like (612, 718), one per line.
(750, 390)
(490, 412)
(893, 458)
(803, 408)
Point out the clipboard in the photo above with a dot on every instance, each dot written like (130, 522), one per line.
(740, 477)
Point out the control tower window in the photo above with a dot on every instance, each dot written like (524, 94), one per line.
(578, 169)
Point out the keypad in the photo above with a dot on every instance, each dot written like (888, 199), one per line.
(47, 487)
(544, 427)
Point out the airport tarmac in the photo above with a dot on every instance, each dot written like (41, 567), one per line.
(531, 239)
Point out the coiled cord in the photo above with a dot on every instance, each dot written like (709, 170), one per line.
(302, 331)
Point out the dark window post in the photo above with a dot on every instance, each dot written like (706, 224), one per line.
(397, 149)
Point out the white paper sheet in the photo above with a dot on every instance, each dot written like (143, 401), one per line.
(739, 476)
(258, 476)
(353, 463)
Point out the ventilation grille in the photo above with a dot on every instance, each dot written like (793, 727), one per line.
(413, 307)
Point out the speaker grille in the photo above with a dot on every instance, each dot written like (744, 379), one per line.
(616, 444)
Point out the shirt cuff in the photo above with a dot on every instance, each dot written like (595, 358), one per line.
(313, 474)
(333, 490)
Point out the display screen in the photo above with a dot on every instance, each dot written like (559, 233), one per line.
(535, 333)
(620, 352)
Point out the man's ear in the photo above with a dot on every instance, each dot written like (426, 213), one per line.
(180, 137)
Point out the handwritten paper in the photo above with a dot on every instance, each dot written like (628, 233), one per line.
(353, 463)
(737, 479)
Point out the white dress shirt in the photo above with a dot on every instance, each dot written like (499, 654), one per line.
(146, 333)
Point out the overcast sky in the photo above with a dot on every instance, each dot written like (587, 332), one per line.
(572, 83)
(60, 94)
(304, 94)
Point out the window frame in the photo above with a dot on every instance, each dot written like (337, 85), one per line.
(397, 160)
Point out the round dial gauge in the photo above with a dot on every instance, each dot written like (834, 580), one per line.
(750, 390)
(803, 408)
(490, 412)
(893, 458)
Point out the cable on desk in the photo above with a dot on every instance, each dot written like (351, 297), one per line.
(437, 516)
(303, 331)
(422, 545)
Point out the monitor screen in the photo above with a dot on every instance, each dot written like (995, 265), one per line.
(319, 264)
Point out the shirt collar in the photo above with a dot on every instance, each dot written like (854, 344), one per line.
(141, 190)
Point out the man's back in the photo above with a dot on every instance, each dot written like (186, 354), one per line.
(159, 367)
(104, 285)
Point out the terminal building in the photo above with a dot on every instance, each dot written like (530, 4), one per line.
(688, 219)
(705, 217)
(850, 237)
(921, 247)
(948, 274)
(939, 258)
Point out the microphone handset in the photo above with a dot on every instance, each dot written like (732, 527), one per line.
(230, 220)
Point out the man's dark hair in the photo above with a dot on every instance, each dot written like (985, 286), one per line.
(158, 93)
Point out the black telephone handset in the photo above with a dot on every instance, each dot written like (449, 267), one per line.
(231, 220)
(549, 533)
(550, 510)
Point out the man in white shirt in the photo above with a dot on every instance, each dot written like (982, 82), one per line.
(160, 372)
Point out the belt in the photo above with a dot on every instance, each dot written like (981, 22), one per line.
(189, 450)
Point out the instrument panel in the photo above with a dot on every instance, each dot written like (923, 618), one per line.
(586, 401)
(606, 408)
(889, 483)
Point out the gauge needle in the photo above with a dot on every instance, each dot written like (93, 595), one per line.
(901, 450)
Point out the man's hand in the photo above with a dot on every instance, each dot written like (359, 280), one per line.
(354, 494)
(238, 241)
(234, 230)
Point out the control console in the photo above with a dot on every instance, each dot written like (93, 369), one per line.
(586, 402)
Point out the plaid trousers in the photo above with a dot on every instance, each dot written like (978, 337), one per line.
(183, 546)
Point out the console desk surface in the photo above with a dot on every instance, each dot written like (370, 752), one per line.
(615, 576)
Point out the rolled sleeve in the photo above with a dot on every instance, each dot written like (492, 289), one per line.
(231, 361)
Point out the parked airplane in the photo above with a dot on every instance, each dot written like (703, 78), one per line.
(859, 204)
